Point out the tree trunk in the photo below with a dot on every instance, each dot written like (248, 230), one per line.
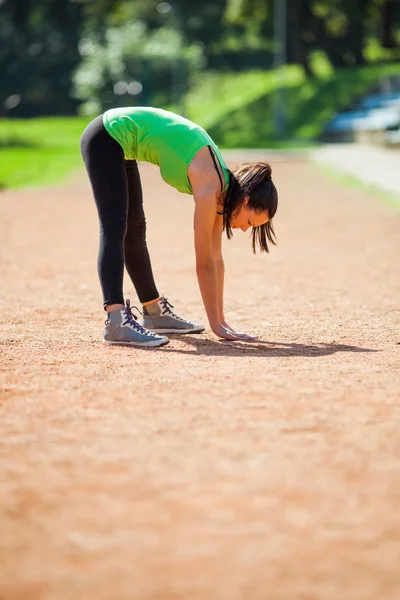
(353, 41)
(389, 9)
(297, 50)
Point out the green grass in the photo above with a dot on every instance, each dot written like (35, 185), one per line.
(238, 109)
(36, 152)
(215, 95)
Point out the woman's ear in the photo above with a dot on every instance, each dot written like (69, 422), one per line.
(246, 201)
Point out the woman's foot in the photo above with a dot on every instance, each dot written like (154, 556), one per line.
(123, 328)
(159, 318)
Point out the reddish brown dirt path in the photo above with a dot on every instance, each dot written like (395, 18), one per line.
(203, 470)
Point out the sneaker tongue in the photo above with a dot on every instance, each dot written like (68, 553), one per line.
(153, 309)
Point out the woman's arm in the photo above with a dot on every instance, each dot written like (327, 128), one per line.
(207, 241)
(204, 217)
(206, 189)
(219, 264)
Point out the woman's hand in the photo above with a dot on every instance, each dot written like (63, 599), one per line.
(239, 334)
(225, 332)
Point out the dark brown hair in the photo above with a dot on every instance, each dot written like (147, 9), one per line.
(252, 179)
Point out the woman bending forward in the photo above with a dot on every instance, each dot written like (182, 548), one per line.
(189, 160)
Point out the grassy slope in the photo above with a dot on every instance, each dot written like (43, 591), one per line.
(38, 151)
(238, 110)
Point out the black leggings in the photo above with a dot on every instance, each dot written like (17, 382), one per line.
(118, 194)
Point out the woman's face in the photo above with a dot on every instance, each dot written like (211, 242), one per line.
(247, 217)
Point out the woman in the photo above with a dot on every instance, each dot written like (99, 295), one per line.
(191, 162)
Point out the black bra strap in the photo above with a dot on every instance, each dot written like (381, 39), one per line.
(216, 166)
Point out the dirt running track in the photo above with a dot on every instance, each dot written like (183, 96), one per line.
(203, 470)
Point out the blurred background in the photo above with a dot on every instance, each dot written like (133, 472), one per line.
(254, 73)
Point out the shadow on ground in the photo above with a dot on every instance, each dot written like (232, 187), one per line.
(257, 348)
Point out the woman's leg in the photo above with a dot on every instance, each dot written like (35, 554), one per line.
(157, 313)
(137, 259)
(104, 162)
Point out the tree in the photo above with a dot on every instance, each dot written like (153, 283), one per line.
(38, 55)
(42, 41)
(133, 64)
(340, 28)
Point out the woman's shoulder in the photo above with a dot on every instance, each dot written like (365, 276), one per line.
(205, 173)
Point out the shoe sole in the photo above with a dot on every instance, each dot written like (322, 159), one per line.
(193, 330)
(152, 344)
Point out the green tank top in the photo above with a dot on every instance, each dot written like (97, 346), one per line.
(162, 138)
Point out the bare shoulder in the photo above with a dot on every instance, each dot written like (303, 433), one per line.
(202, 174)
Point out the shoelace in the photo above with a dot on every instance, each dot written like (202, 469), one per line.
(132, 320)
(166, 306)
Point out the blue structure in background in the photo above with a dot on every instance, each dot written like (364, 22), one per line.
(375, 118)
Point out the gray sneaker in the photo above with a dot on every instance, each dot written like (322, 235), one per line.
(163, 320)
(122, 328)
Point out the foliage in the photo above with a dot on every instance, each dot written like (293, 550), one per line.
(340, 28)
(159, 43)
(38, 54)
(133, 65)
